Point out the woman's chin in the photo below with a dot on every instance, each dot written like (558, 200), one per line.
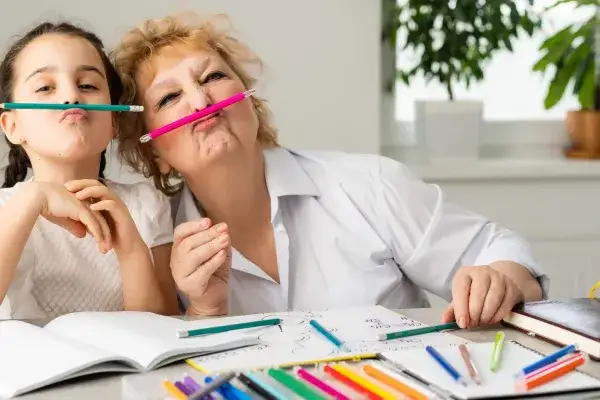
(216, 147)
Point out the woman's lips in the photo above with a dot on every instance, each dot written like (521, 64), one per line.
(205, 123)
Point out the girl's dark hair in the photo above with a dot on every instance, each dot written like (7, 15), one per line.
(17, 158)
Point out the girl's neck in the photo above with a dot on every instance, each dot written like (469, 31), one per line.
(61, 172)
(235, 193)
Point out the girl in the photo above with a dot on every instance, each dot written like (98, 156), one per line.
(50, 266)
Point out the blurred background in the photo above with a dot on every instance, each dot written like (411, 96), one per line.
(496, 101)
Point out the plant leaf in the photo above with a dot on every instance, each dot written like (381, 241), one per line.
(587, 91)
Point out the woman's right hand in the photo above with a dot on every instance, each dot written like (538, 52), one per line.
(201, 265)
(62, 208)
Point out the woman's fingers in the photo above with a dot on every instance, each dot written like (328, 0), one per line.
(200, 277)
(196, 258)
(193, 242)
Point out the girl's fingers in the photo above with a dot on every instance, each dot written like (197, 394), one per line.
(91, 192)
(88, 219)
(106, 233)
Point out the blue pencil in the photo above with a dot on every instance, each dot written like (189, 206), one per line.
(61, 106)
(445, 364)
(549, 359)
(328, 335)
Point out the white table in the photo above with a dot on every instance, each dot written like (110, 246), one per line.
(110, 387)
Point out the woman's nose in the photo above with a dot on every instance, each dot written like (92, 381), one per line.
(199, 99)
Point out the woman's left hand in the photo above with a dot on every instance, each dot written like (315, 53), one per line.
(481, 295)
(123, 233)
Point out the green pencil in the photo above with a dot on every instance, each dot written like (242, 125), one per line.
(226, 328)
(58, 106)
(417, 331)
(295, 385)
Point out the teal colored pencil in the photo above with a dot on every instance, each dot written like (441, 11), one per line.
(58, 106)
(417, 331)
(295, 385)
(226, 328)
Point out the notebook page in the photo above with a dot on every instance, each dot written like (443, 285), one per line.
(494, 384)
(31, 358)
(142, 337)
(297, 341)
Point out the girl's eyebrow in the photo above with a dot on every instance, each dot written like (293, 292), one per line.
(52, 68)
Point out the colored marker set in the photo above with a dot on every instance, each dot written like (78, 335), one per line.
(190, 389)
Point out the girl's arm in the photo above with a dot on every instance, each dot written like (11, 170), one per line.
(17, 219)
(51, 201)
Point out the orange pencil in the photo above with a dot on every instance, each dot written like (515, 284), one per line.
(175, 392)
(351, 383)
(387, 377)
(561, 368)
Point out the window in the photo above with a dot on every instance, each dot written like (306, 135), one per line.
(511, 90)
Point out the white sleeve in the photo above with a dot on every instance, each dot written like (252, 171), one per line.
(432, 238)
(153, 220)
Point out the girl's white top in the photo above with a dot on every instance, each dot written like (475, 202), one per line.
(59, 273)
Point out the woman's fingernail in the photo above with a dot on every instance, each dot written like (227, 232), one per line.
(222, 227)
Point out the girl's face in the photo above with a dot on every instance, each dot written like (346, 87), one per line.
(58, 68)
(177, 82)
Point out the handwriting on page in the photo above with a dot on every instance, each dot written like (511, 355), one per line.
(296, 341)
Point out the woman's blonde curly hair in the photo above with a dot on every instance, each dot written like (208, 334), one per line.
(138, 47)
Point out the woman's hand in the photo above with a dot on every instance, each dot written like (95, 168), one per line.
(64, 209)
(201, 265)
(102, 201)
(481, 295)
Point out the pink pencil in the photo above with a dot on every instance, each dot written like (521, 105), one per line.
(197, 115)
(313, 380)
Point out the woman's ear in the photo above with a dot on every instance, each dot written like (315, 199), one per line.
(8, 124)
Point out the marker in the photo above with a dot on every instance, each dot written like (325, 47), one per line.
(338, 376)
(394, 380)
(197, 115)
(328, 335)
(296, 386)
(445, 365)
(229, 391)
(174, 390)
(497, 351)
(226, 328)
(549, 359)
(60, 106)
(417, 331)
(211, 387)
(316, 382)
(464, 352)
(356, 357)
(560, 369)
(263, 390)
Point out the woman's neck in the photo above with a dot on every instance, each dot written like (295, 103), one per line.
(61, 172)
(235, 193)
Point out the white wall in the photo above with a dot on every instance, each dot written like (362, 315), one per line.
(322, 57)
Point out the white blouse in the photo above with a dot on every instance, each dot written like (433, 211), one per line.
(59, 273)
(359, 230)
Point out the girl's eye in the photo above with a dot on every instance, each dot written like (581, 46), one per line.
(88, 87)
(44, 89)
(168, 98)
(213, 76)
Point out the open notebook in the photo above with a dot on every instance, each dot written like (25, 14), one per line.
(85, 343)
(499, 384)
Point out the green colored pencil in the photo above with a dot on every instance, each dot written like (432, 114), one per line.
(58, 106)
(295, 385)
(226, 328)
(417, 331)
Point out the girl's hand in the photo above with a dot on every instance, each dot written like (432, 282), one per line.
(123, 233)
(62, 208)
(201, 265)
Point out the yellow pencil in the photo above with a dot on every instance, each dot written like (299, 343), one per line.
(350, 374)
(178, 394)
(358, 357)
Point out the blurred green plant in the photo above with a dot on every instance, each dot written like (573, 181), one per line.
(573, 53)
(452, 39)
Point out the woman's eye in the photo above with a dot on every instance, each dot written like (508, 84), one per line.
(168, 98)
(44, 89)
(213, 76)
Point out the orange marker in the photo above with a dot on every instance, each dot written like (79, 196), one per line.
(558, 370)
(175, 392)
(350, 383)
(384, 375)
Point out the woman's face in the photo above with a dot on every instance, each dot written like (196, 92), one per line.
(179, 81)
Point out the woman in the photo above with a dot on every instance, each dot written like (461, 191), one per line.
(306, 230)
